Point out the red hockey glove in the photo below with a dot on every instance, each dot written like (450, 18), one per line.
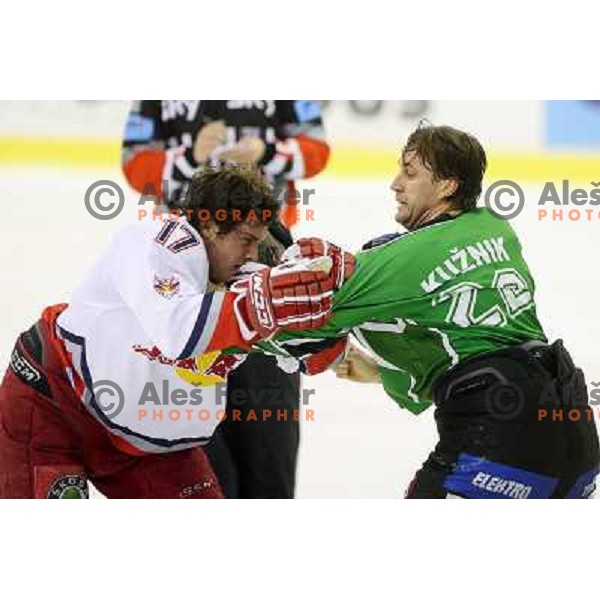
(293, 296)
(344, 263)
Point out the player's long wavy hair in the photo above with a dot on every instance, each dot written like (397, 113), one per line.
(228, 195)
(451, 154)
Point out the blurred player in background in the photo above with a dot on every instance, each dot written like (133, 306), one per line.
(165, 143)
(141, 327)
(447, 312)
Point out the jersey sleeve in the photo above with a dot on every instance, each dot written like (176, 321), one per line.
(163, 279)
(301, 149)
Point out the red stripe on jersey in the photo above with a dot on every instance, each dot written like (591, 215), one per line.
(289, 215)
(315, 154)
(317, 363)
(227, 332)
(145, 168)
(65, 358)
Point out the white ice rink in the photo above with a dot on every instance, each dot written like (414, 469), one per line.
(360, 444)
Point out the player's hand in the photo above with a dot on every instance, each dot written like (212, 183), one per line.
(249, 150)
(358, 367)
(209, 138)
(294, 296)
(344, 262)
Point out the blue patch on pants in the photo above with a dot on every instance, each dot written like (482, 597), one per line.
(476, 477)
(585, 486)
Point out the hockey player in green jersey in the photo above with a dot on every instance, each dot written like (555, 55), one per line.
(448, 314)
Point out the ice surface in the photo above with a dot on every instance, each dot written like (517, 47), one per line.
(360, 444)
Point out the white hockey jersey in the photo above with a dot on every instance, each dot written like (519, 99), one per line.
(144, 334)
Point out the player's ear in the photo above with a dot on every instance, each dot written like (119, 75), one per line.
(447, 187)
(209, 230)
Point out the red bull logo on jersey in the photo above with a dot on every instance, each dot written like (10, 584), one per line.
(167, 287)
(208, 369)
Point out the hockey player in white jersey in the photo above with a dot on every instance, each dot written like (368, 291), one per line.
(124, 385)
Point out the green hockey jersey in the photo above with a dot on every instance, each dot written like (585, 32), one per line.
(430, 298)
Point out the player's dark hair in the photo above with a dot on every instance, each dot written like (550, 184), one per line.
(216, 192)
(451, 154)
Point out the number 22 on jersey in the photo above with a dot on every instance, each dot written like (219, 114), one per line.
(512, 288)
